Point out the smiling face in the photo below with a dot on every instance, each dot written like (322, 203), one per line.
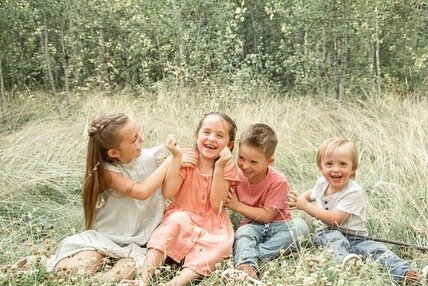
(253, 163)
(337, 167)
(213, 136)
(131, 142)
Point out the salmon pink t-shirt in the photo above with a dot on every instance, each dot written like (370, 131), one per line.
(271, 192)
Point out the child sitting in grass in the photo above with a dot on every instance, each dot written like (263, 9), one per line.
(340, 205)
(122, 200)
(196, 231)
(267, 226)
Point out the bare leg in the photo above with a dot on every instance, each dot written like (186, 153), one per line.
(186, 276)
(154, 259)
(123, 269)
(89, 261)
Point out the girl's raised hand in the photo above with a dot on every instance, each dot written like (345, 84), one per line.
(172, 145)
(225, 155)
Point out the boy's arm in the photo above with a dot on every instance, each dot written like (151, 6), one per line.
(220, 186)
(263, 215)
(303, 202)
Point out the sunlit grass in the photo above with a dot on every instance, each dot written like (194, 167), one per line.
(42, 157)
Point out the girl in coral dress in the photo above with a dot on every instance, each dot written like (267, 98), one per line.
(197, 231)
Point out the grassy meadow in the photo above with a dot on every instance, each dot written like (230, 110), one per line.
(42, 158)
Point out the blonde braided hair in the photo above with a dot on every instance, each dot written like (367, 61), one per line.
(99, 126)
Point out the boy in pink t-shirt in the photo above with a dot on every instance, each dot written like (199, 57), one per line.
(267, 226)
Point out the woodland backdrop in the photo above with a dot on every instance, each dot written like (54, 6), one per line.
(329, 47)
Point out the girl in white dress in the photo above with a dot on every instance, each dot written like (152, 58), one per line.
(122, 200)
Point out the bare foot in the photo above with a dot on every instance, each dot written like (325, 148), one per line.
(412, 276)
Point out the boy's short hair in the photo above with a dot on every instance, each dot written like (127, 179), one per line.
(260, 136)
(330, 145)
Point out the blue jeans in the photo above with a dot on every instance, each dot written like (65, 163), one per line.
(342, 245)
(256, 241)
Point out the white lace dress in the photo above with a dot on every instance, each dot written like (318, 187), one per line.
(123, 225)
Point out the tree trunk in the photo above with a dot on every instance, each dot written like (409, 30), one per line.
(48, 64)
(378, 74)
(340, 49)
(3, 100)
(254, 26)
(105, 79)
(256, 35)
(159, 48)
(339, 66)
(74, 59)
(181, 66)
(65, 64)
(125, 61)
(305, 62)
(3, 96)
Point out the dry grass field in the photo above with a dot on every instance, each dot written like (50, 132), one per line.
(42, 157)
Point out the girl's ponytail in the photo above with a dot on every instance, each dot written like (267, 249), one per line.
(94, 183)
(103, 135)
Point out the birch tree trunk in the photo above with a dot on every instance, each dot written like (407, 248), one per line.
(105, 78)
(340, 48)
(65, 64)
(3, 100)
(181, 66)
(378, 74)
(1, 80)
(48, 64)
(125, 61)
(340, 66)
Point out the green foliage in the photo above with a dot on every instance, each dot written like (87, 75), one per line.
(301, 46)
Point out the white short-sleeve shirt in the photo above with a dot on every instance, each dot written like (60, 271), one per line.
(351, 200)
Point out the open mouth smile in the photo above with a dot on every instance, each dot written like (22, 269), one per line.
(209, 146)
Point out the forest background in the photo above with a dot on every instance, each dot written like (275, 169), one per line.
(310, 69)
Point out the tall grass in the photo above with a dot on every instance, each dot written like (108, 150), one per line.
(42, 157)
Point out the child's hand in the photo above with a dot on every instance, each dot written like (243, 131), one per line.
(189, 158)
(172, 145)
(225, 155)
(296, 201)
(232, 199)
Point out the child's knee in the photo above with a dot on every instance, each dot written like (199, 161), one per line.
(180, 218)
(330, 237)
(85, 260)
(245, 231)
(300, 226)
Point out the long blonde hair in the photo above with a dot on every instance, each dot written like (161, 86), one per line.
(103, 135)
